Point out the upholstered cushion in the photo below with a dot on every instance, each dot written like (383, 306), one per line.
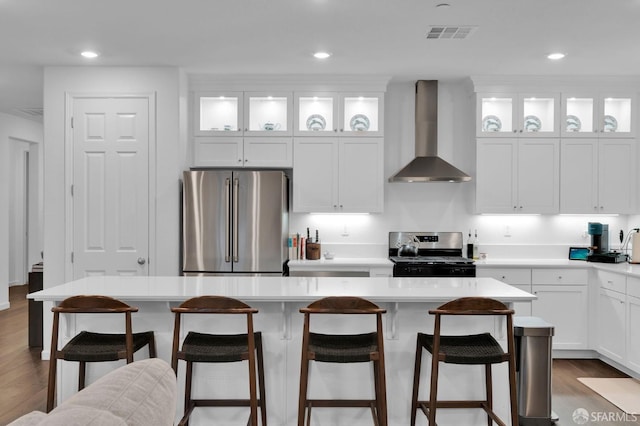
(142, 393)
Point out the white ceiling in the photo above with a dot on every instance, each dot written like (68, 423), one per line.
(382, 37)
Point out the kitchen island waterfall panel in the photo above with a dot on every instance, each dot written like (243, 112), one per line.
(278, 300)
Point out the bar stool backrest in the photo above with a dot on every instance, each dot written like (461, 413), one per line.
(342, 305)
(473, 306)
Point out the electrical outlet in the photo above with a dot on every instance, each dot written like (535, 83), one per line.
(345, 231)
(507, 231)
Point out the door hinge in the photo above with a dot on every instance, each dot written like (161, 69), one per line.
(71, 257)
(72, 190)
(72, 122)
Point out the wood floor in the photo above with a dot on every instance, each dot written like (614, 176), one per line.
(23, 376)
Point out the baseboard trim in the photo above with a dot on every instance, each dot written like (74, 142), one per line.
(4, 306)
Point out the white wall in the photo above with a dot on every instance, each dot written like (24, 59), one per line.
(167, 84)
(13, 129)
(443, 206)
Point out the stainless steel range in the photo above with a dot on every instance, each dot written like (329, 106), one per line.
(429, 254)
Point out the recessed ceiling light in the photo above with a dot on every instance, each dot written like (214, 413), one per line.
(89, 54)
(556, 56)
(321, 55)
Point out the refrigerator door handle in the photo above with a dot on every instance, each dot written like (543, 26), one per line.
(236, 187)
(227, 197)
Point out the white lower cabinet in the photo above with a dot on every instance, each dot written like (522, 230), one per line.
(517, 277)
(611, 324)
(563, 302)
(633, 323)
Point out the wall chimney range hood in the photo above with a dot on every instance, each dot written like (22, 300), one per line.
(427, 166)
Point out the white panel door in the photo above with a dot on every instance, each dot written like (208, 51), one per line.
(617, 176)
(110, 186)
(579, 176)
(315, 174)
(496, 176)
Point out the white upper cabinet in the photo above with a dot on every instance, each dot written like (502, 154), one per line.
(267, 113)
(342, 114)
(517, 114)
(609, 115)
(517, 175)
(338, 175)
(243, 114)
(218, 114)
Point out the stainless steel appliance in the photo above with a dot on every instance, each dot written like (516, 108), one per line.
(234, 222)
(439, 254)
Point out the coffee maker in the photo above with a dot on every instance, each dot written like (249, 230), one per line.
(599, 249)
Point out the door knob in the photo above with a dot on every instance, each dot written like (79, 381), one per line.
(142, 261)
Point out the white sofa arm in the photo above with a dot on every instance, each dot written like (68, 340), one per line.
(142, 393)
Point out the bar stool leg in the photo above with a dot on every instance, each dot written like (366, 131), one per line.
(253, 398)
(302, 401)
(416, 382)
(433, 393)
(512, 390)
(82, 371)
(382, 407)
(51, 387)
(261, 386)
(489, 391)
(187, 394)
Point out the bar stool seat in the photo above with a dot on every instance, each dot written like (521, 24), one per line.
(343, 348)
(471, 349)
(96, 347)
(202, 347)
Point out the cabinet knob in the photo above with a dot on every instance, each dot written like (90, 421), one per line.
(341, 206)
(342, 130)
(335, 130)
(142, 261)
(246, 160)
(515, 131)
(520, 130)
(559, 277)
(239, 160)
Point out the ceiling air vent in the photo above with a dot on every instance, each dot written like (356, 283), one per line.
(449, 32)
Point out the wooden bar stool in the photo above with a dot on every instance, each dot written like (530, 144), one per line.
(219, 348)
(94, 347)
(480, 349)
(343, 348)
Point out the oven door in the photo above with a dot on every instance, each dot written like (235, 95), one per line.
(433, 270)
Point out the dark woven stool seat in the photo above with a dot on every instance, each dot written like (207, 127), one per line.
(96, 347)
(202, 347)
(471, 349)
(343, 347)
(220, 348)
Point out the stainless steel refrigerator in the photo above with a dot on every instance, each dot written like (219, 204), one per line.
(234, 222)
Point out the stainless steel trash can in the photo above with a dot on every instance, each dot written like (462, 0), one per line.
(533, 338)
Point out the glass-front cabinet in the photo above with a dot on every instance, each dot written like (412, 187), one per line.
(521, 115)
(245, 113)
(267, 114)
(330, 114)
(602, 115)
(218, 114)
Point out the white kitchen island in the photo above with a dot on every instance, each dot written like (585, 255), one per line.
(278, 299)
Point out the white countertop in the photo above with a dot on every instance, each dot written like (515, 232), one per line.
(620, 268)
(287, 289)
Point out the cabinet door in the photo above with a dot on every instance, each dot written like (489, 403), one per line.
(315, 175)
(218, 114)
(538, 176)
(611, 324)
(316, 114)
(268, 152)
(361, 114)
(579, 115)
(218, 152)
(633, 332)
(496, 114)
(268, 113)
(579, 176)
(616, 117)
(617, 176)
(361, 186)
(538, 115)
(517, 277)
(565, 307)
(496, 175)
